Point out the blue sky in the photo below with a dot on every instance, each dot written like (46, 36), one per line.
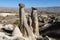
(30, 3)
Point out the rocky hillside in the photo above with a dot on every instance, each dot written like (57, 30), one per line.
(50, 9)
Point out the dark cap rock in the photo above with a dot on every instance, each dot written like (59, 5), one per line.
(34, 8)
(21, 5)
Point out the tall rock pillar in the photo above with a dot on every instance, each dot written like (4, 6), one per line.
(21, 16)
(35, 21)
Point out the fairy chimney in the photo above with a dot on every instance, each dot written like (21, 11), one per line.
(35, 21)
(21, 16)
(21, 13)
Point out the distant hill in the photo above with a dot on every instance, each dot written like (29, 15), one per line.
(49, 9)
(8, 10)
(40, 9)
